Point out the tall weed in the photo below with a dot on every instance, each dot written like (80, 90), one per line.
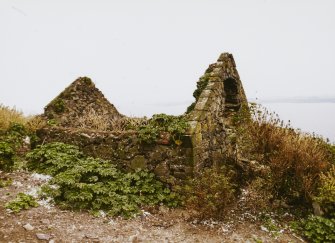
(296, 160)
(9, 116)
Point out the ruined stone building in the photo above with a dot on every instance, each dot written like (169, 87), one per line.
(77, 114)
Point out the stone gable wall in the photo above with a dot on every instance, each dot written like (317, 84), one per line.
(210, 119)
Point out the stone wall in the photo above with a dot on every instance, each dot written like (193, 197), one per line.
(208, 142)
(169, 161)
(211, 129)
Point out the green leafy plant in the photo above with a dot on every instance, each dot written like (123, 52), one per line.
(53, 158)
(59, 105)
(12, 146)
(210, 193)
(21, 202)
(6, 156)
(201, 85)
(81, 182)
(318, 229)
(15, 135)
(5, 182)
(176, 126)
(326, 196)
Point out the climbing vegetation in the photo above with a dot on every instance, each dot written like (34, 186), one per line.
(159, 124)
(81, 182)
(201, 85)
(58, 105)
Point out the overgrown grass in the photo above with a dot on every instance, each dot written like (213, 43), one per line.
(9, 116)
(296, 160)
(301, 168)
(100, 122)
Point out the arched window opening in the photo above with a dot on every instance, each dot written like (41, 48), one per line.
(231, 91)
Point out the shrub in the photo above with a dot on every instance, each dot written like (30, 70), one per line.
(6, 156)
(209, 193)
(319, 229)
(21, 202)
(35, 123)
(94, 184)
(326, 196)
(159, 123)
(12, 145)
(5, 182)
(15, 134)
(296, 160)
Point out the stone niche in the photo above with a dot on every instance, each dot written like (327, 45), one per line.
(73, 116)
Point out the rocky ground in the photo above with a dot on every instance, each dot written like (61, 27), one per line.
(47, 223)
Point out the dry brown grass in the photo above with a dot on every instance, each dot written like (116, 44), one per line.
(296, 159)
(95, 121)
(35, 123)
(9, 116)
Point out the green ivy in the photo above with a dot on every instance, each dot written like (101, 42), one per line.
(176, 126)
(21, 202)
(318, 229)
(59, 105)
(201, 85)
(81, 182)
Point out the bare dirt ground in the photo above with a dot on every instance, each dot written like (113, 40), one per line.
(52, 224)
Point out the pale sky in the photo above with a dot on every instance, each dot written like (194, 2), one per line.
(146, 55)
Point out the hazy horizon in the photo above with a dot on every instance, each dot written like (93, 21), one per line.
(146, 56)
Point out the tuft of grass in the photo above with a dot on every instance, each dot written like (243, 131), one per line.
(9, 116)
